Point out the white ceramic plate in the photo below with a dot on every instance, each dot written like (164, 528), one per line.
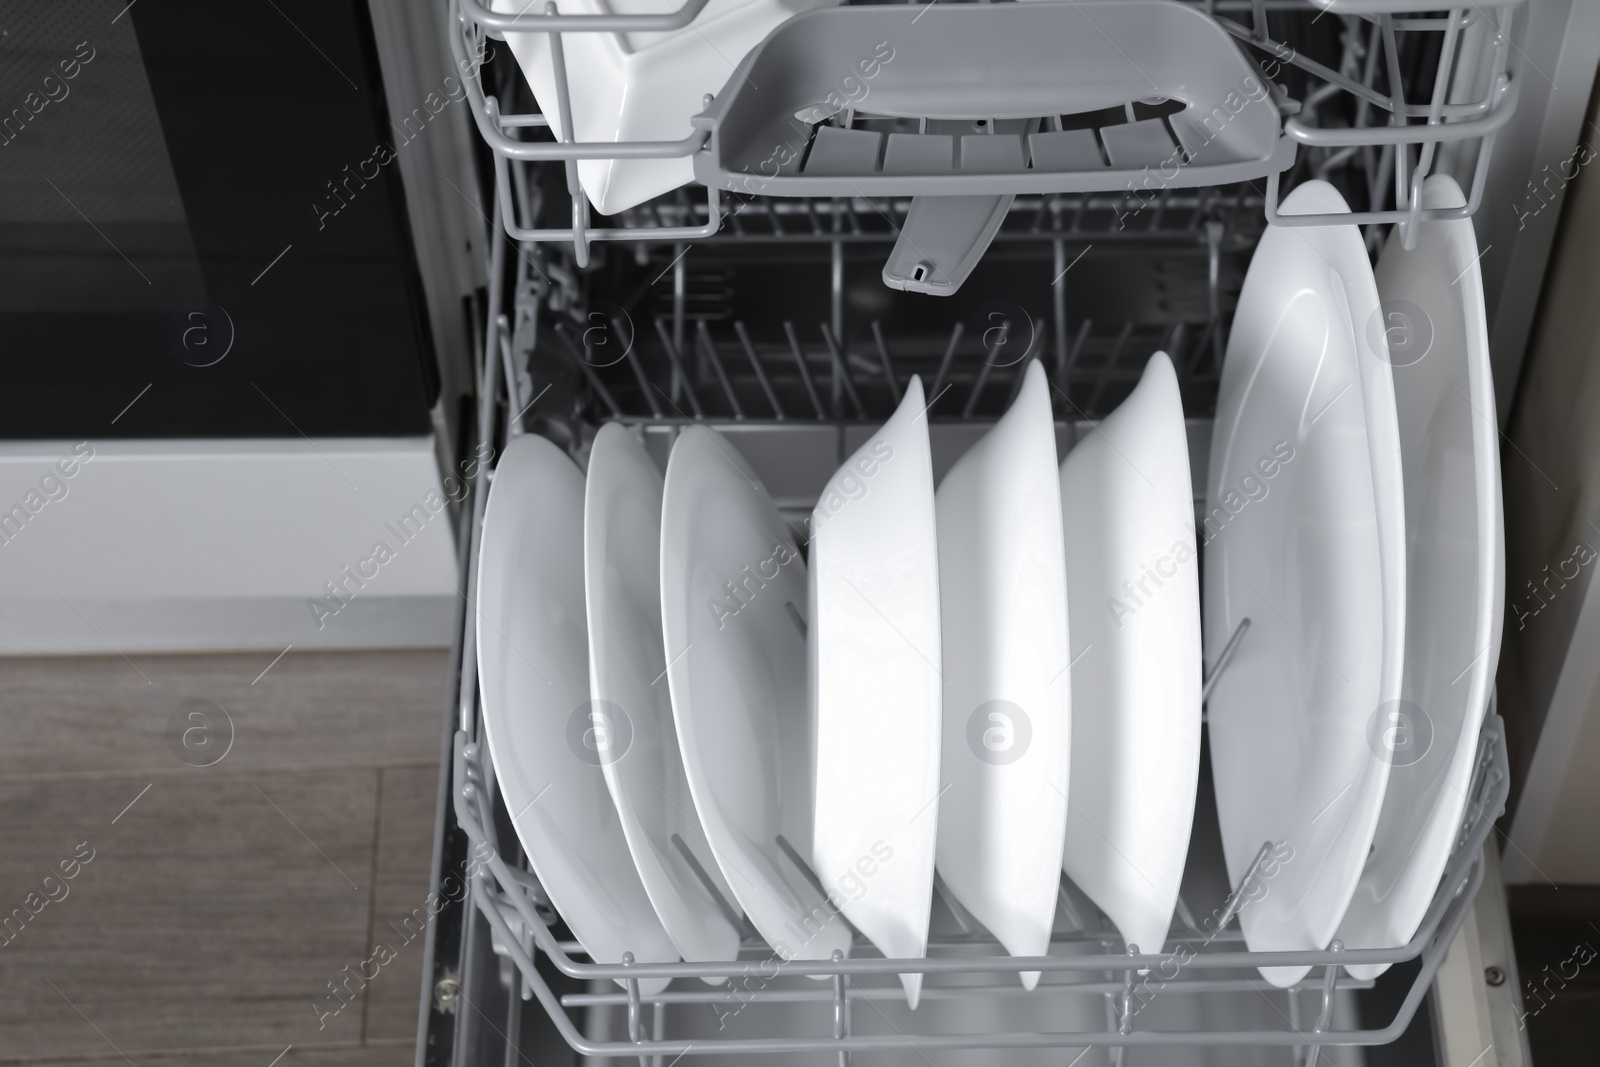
(876, 684)
(1304, 535)
(641, 86)
(1008, 702)
(1127, 506)
(733, 590)
(533, 660)
(1455, 567)
(627, 679)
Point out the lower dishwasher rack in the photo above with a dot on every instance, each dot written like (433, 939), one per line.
(520, 919)
(507, 978)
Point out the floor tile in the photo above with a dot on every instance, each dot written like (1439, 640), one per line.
(405, 854)
(388, 1055)
(85, 715)
(213, 911)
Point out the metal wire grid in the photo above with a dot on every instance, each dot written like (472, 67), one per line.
(811, 378)
(520, 916)
(1447, 121)
(688, 363)
(1471, 98)
(517, 911)
(1170, 215)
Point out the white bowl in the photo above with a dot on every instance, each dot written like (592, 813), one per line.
(1008, 703)
(1127, 505)
(877, 684)
(641, 86)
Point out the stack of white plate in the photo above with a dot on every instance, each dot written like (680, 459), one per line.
(1353, 516)
(697, 721)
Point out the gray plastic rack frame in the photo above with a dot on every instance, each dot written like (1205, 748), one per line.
(963, 106)
(974, 97)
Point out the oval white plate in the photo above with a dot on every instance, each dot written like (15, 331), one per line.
(733, 588)
(1455, 568)
(876, 684)
(533, 660)
(1127, 506)
(1008, 703)
(1304, 536)
(627, 679)
(641, 86)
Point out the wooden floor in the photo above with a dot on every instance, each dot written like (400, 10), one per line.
(212, 909)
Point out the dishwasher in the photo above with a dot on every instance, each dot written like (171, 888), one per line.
(787, 306)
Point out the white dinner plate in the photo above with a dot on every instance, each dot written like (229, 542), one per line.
(733, 589)
(1455, 568)
(876, 684)
(533, 666)
(1008, 699)
(627, 669)
(1127, 506)
(641, 86)
(1305, 536)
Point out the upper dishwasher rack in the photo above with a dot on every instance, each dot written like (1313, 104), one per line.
(1352, 112)
(968, 99)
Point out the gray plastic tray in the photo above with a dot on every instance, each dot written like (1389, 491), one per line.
(992, 99)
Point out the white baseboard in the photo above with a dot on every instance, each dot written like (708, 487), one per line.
(208, 624)
(208, 545)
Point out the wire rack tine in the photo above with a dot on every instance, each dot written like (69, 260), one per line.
(637, 367)
(805, 371)
(1084, 328)
(728, 911)
(945, 360)
(841, 373)
(576, 350)
(755, 366)
(678, 368)
(702, 335)
(841, 1008)
(1017, 379)
(977, 387)
(1103, 378)
(1223, 659)
(888, 367)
